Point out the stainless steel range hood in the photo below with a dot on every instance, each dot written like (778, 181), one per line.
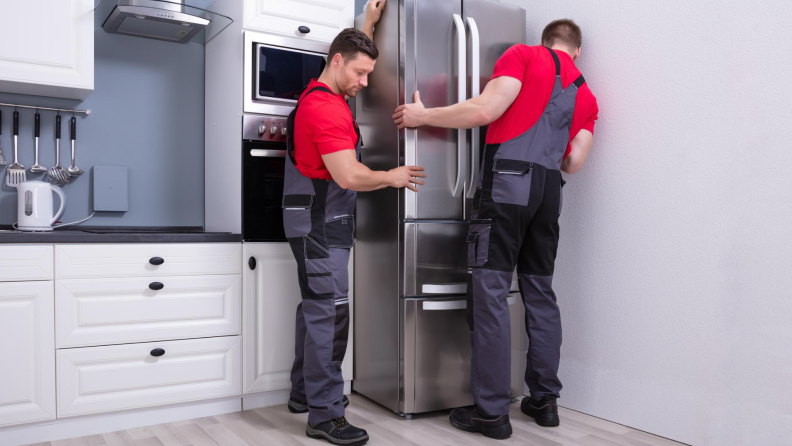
(168, 20)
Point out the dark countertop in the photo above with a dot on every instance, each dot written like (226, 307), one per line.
(105, 234)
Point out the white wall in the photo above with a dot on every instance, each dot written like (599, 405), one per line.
(673, 272)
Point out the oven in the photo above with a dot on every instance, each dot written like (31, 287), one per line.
(277, 70)
(263, 163)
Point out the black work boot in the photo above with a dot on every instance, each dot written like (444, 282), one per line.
(297, 406)
(473, 419)
(544, 411)
(337, 431)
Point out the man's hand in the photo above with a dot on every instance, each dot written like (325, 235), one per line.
(410, 115)
(406, 176)
(373, 14)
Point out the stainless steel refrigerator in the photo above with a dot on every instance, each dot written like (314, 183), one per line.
(412, 342)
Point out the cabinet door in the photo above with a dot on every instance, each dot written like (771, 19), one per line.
(48, 48)
(324, 18)
(103, 379)
(25, 262)
(27, 349)
(270, 298)
(118, 311)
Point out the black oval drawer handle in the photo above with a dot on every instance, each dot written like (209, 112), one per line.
(156, 260)
(156, 286)
(304, 29)
(252, 263)
(157, 352)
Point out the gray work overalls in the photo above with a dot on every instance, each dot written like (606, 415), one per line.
(515, 223)
(319, 225)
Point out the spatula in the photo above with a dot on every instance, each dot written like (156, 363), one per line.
(15, 175)
(57, 175)
(2, 158)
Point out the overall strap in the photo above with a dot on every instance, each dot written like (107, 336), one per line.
(579, 81)
(557, 62)
(290, 123)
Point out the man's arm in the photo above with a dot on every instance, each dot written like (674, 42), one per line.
(351, 174)
(498, 96)
(581, 144)
(373, 14)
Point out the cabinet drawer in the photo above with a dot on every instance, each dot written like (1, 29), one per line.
(103, 379)
(325, 18)
(25, 262)
(130, 260)
(117, 311)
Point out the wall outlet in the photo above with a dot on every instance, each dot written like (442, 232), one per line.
(109, 189)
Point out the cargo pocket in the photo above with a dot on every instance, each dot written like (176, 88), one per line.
(341, 336)
(478, 242)
(340, 231)
(297, 215)
(511, 182)
(317, 267)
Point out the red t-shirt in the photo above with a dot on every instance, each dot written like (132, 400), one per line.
(535, 68)
(323, 125)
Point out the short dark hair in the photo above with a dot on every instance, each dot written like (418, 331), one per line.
(564, 31)
(349, 42)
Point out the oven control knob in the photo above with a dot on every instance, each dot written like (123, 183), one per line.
(262, 129)
(273, 130)
(283, 131)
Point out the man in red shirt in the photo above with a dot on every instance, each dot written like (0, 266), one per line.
(541, 115)
(323, 173)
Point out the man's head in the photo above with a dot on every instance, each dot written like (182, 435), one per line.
(563, 34)
(350, 60)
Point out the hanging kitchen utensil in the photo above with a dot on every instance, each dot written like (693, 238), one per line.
(73, 170)
(2, 158)
(36, 167)
(15, 175)
(58, 175)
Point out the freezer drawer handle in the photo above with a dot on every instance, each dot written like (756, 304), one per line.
(455, 304)
(453, 288)
(156, 286)
(157, 352)
(156, 260)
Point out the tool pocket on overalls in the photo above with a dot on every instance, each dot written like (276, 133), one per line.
(341, 337)
(478, 242)
(511, 183)
(340, 231)
(318, 267)
(297, 215)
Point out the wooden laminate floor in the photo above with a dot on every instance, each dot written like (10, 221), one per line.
(275, 426)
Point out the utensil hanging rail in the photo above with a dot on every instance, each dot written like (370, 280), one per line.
(65, 110)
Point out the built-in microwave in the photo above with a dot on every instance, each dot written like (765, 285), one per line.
(277, 70)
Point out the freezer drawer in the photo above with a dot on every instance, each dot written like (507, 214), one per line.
(436, 353)
(435, 258)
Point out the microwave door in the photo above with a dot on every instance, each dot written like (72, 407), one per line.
(282, 74)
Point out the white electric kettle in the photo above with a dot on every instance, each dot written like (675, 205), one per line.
(34, 206)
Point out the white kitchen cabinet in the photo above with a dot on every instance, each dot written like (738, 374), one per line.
(102, 379)
(48, 48)
(146, 260)
(94, 312)
(20, 262)
(270, 298)
(324, 18)
(27, 349)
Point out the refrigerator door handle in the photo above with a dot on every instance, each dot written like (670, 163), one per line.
(428, 305)
(459, 185)
(475, 73)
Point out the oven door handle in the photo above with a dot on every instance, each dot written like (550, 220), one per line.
(265, 153)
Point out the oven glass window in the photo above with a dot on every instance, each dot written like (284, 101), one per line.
(284, 74)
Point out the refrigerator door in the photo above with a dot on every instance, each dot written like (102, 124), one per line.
(433, 61)
(437, 353)
(492, 28)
